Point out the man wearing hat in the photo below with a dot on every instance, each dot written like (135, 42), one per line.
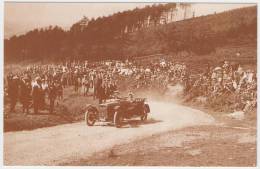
(36, 94)
(25, 93)
(13, 92)
(85, 85)
(97, 85)
(101, 93)
(52, 94)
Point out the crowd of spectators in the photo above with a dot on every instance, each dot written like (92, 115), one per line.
(32, 86)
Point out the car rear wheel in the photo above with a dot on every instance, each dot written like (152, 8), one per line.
(118, 119)
(90, 117)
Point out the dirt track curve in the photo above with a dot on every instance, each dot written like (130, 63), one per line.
(70, 142)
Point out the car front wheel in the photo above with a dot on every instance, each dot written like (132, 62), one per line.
(90, 117)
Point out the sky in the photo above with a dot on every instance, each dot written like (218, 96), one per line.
(22, 17)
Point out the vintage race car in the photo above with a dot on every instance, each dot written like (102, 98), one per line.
(116, 110)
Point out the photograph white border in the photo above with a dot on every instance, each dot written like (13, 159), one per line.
(115, 1)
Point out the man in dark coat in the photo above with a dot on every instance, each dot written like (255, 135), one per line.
(101, 93)
(36, 95)
(52, 96)
(59, 89)
(13, 92)
(76, 83)
(97, 85)
(25, 94)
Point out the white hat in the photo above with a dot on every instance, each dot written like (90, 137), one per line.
(217, 69)
(15, 77)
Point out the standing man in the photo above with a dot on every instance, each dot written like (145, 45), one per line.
(52, 96)
(36, 94)
(98, 84)
(44, 92)
(76, 81)
(59, 90)
(85, 85)
(101, 93)
(95, 85)
(25, 94)
(13, 92)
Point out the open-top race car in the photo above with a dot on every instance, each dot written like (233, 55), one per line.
(116, 110)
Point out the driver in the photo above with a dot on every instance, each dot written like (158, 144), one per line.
(130, 96)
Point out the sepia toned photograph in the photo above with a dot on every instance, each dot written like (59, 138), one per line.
(130, 84)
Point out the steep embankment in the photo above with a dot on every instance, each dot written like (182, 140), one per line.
(212, 37)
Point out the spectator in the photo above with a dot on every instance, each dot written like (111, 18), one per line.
(25, 94)
(37, 94)
(52, 94)
(13, 92)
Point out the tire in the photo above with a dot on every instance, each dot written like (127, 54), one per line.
(145, 113)
(90, 117)
(118, 119)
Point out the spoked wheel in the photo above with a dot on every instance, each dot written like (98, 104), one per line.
(90, 117)
(145, 114)
(118, 119)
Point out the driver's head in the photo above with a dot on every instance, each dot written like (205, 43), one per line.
(130, 95)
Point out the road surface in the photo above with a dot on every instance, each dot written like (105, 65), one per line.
(72, 142)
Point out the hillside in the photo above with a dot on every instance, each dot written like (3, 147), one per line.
(211, 37)
(200, 36)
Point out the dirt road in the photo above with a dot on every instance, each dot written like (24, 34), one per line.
(207, 145)
(71, 142)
